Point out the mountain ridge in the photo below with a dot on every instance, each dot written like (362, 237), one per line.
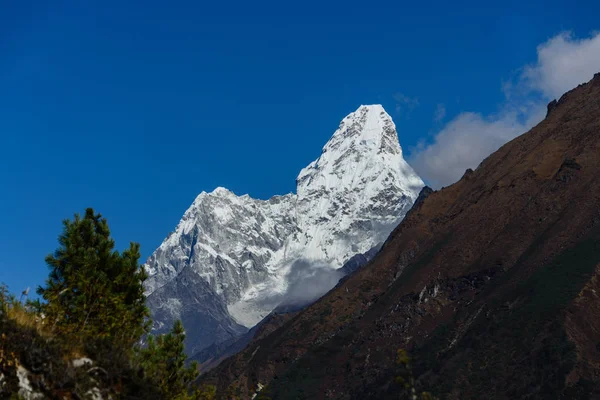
(247, 251)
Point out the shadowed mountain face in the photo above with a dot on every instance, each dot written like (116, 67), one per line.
(492, 284)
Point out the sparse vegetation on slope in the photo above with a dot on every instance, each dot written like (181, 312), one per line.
(82, 339)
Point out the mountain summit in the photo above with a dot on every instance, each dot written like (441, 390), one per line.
(360, 178)
(232, 259)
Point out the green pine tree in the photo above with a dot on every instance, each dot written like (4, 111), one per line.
(163, 363)
(92, 290)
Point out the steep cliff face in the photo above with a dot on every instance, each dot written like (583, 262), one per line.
(492, 284)
(232, 259)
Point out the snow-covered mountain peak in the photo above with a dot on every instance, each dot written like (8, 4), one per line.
(363, 150)
(221, 191)
(244, 251)
(360, 178)
(371, 127)
(368, 128)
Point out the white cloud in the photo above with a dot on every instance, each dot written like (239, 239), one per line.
(562, 63)
(466, 141)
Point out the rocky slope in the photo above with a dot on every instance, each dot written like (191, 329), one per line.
(491, 283)
(232, 259)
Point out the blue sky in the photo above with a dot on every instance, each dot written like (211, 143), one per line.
(136, 108)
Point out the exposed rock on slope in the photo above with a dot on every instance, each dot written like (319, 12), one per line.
(491, 283)
(231, 258)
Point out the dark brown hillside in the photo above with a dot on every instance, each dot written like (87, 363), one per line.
(491, 283)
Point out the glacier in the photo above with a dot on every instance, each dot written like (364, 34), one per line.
(228, 263)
